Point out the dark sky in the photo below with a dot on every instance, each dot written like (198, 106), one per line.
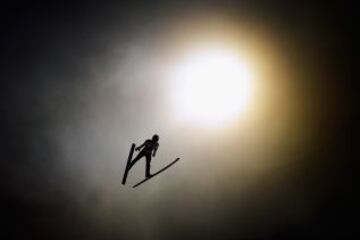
(58, 104)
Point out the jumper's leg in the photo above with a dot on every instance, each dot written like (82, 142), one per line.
(147, 170)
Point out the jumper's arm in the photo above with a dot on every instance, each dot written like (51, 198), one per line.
(140, 147)
(155, 149)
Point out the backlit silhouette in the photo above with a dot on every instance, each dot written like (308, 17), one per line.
(147, 149)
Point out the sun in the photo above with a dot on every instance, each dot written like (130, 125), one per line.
(211, 87)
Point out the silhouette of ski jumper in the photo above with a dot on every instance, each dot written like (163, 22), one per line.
(149, 148)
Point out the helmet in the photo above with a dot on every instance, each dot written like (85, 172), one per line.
(155, 137)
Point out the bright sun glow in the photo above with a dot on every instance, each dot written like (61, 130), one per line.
(211, 87)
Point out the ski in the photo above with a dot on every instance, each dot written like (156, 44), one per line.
(158, 172)
(128, 164)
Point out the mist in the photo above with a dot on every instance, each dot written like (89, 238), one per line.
(83, 82)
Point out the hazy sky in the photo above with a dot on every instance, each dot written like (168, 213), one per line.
(82, 82)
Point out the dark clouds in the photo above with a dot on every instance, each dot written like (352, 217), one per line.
(62, 136)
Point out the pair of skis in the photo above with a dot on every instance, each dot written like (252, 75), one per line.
(129, 166)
